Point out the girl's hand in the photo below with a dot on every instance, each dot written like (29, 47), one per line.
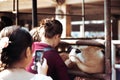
(42, 69)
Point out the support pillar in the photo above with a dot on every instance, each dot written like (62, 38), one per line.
(64, 19)
(107, 25)
(82, 27)
(118, 29)
(34, 13)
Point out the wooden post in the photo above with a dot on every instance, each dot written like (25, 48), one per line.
(82, 27)
(65, 20)
(16, 11)
(34, 13)
(118, 29)
(107, 25)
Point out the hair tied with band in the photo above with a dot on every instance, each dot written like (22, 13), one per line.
(4, 42)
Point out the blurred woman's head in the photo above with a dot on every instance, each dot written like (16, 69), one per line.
(35, 34)
(50, 28)
(20, 40)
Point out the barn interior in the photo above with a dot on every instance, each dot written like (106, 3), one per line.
(80, 18)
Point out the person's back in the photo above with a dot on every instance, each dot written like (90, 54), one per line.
(57, 68)
(51, 31)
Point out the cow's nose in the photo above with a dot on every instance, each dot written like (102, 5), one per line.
(77, 51)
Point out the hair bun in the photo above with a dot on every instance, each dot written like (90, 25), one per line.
(49, 25)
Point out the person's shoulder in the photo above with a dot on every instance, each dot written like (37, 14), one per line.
(41, 77)
(1, 78)
(3, 73)
(51, 50)
(36, 43)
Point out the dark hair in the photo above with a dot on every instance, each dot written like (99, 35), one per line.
(52, 27)
(5, 21)
(20, 39)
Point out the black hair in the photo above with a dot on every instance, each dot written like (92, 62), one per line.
(5, 21)
(20, 39)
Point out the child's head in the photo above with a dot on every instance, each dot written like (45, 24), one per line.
(51, 27)
(19, 41)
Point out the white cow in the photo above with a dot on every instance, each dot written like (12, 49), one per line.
(90, 59)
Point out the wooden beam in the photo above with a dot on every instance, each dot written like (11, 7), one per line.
(41, 4)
